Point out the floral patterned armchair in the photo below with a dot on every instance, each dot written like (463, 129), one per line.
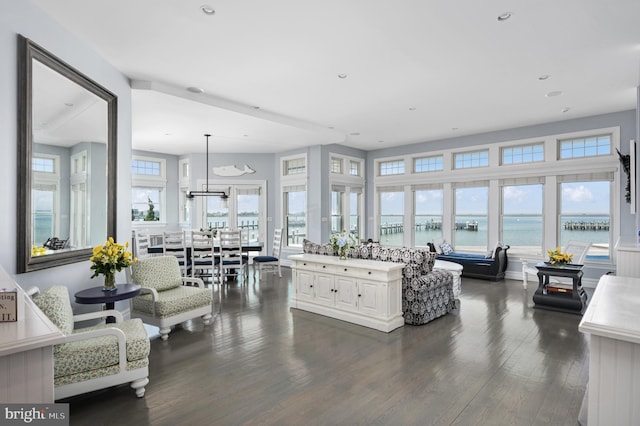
(94, 357)
(166, 297)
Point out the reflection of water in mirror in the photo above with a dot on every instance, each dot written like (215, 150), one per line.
(69, 158)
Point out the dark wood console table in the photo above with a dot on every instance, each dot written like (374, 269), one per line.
(95, 295)
(573, 301)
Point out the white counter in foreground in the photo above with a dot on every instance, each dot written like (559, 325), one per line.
(26, 352)
(613, 321)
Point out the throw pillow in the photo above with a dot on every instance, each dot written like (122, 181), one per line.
(446, 248)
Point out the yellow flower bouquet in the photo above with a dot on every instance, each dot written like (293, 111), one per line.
(558, 258)
(109, 258)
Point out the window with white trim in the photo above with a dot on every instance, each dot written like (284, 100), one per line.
(148, 189)
(336, 165)
(294, 166)
(428, 210)
(45, 197)
(468, 160)
(531, 153)
(585, 211)
(522, 220)
(391, 216)
(393, 167)
(592, 146)
(294, 199)
(428, 164)
(471, 216)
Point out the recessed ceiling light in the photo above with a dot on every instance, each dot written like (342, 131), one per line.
(342, 76)
(554, 94)
(167, 134)
(544, 77)
(504, 16)
(412, 108)
(380, 141)
(355, 134)
(207, 10)
(246, 136)
(331, 127)
(68, 104)
(454, 128)
(195, 89)
(256, 107)
(565, 109)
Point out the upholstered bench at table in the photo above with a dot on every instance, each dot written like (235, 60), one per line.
(94, 357)
(427, 293)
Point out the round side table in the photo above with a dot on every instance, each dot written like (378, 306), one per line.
(95, 295)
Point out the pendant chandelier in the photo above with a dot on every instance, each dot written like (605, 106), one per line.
(224, 197)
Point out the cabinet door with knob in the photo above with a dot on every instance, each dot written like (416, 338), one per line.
(304, 284)
(370, 297)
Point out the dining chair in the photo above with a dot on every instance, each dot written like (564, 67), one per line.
(272, 260)
(203, 260)
(174, 244)
(232, 262)
(578, 249)
(141, 243)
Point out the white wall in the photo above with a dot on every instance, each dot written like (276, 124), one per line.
(22, 17)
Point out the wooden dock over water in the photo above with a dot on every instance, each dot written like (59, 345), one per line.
(587, 225)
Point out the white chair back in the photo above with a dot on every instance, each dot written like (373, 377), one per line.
(231, 260)
(174, 244)
(141, 243)
(203, 260)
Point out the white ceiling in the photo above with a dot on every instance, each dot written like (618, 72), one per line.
(416, 70)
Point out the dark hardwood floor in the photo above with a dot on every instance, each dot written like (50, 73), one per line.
(493, 361)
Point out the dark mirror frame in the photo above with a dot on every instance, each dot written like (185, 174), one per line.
(27, 52)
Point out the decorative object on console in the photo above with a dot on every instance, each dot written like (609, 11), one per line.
(109, 258)
(342, 243)
(558, 258)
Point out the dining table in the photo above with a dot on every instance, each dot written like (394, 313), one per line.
(246, 247)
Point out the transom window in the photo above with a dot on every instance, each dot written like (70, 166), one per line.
(336, 165)
(585, 147)
(395, 167)
(523, 154)
(428, 164)
(294, 166)
(467, 160)
(355, 168)
(146, 168)
(44, 165)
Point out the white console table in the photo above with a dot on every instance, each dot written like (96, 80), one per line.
(364, 292)
(612, 319)
(26, 352)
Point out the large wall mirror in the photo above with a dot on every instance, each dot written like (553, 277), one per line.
(66, 161)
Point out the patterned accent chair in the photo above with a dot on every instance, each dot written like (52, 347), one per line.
(427, 294)
(94, 357)
(166, 297)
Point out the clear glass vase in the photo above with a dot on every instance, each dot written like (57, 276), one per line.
(109, 282)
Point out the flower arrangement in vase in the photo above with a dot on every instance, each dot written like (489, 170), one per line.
(342, 242)
(109, 258)
(558, 258)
